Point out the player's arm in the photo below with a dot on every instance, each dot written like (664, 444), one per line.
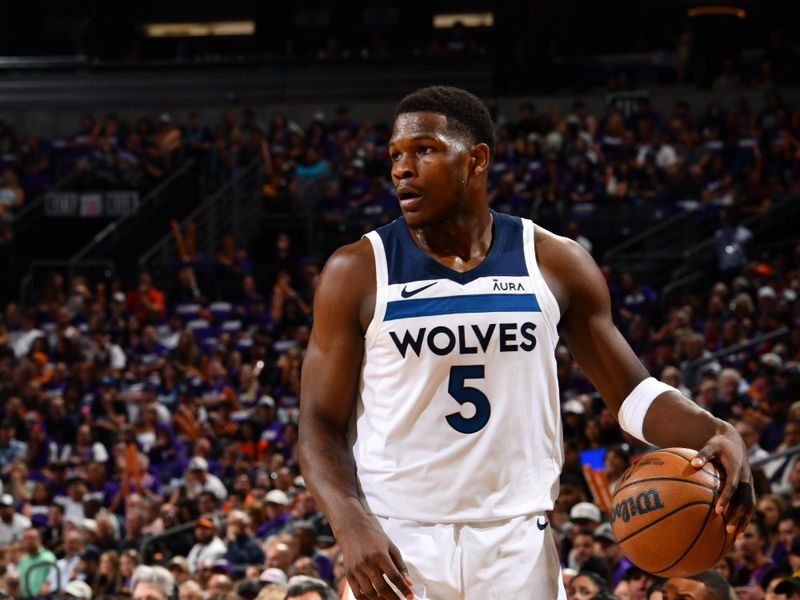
(343, 306)
(614, 369)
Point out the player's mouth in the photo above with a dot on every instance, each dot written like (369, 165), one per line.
(409, 198)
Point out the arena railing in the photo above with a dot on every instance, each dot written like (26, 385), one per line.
(220, 519)
(115, 230)
(775, 456)
(32, 212)
(673, 248)
(233, 210)
(744, 345)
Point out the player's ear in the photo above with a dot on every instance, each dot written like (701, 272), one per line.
(479, 159)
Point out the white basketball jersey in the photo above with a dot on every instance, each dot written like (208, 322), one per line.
(458, 417)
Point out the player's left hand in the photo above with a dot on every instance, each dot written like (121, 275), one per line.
(737, 499)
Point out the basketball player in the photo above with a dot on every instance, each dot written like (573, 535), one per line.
(430, 428)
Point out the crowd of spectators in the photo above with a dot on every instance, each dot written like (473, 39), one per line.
(131, 409)
(555, 166)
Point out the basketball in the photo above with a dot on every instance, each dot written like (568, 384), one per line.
(662, 514)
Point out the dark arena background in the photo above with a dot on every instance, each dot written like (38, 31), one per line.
(173, 177)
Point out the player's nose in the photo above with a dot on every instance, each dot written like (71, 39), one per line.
(402, 168)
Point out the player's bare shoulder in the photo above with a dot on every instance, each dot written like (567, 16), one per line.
(565, 265)
(347, 282)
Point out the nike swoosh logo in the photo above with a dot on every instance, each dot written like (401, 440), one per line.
(541, 526)
(406, 293)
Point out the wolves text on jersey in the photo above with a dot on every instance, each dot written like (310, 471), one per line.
(466, 339)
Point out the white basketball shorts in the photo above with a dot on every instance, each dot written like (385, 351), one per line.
(512, 558)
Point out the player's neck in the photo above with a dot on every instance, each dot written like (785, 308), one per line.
(460, 243)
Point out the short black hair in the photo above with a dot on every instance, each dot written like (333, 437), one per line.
(715, 583)
(465, 112)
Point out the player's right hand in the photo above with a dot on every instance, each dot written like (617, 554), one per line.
(369, 555)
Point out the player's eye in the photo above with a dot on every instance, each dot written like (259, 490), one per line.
(394, 156)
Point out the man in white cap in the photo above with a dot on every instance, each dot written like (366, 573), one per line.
(12, 524)
(198, 480)
(585, 515)
(273, 575)
(276, 504)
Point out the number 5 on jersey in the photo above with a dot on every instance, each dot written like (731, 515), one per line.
(465, 394)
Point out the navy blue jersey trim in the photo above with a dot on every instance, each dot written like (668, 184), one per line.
(450, 305)
(407, 263)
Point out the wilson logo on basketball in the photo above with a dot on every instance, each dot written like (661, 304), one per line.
(641, 504)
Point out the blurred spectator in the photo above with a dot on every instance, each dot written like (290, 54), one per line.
(146, 302)
(243, 548)
(66, 567)
(190, 590)
(208, 548)
(753, 565)
(301, 587)
(12, 195)
(33, 566)
(152, 583)
(12, 524)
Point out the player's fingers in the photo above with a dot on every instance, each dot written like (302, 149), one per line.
(396, 571)
(741, 508)
(355, 585)
(382, 588)
(361, 585)
(702, 457)
(397, 558)
(372, 584)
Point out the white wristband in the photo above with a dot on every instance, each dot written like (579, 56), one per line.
(635, 406)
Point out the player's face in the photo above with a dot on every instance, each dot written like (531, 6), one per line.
(430, 167)
(679, 588)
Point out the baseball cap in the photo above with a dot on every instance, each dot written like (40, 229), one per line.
(90, 552)
(574, 407)
(78, 589)
(767, 292)
(205, 522)
(266, 401)
(180, 562)
(277, 497)
(585, 510)
(6, 500)
(273, 575)
(604, 532)
(222, 566)
(198, 463)
(89, 525)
